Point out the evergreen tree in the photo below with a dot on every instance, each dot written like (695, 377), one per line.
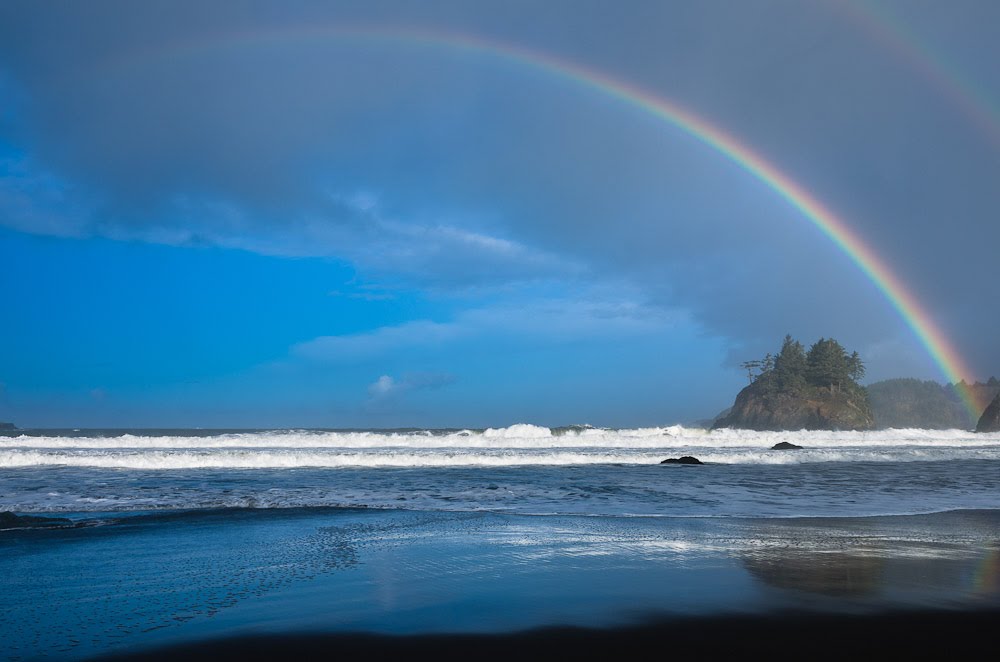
(825, 365)
(855, 367)
(828, 365)
(790, 365)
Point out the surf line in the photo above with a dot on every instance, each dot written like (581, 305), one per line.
(940, 349)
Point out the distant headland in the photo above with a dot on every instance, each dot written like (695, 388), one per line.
(912, 403)
(7, 426)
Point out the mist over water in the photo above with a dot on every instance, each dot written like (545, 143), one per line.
(521, 469)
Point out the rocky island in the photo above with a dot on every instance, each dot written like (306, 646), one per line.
(795, 390)
(990, 420)
(7, 427)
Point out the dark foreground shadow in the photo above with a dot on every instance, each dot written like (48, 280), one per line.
(950, 634)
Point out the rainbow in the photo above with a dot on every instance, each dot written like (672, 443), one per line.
(920, 322)
(986, 577)
(891, 33)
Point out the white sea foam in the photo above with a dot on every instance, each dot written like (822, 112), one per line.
(518, 431)
(517, 445)
(268, 459)
(291, 450)
(521, 436)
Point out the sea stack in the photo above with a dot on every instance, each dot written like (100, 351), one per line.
(990, 420)
(797, 390)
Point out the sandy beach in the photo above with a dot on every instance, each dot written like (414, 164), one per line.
(230, 582)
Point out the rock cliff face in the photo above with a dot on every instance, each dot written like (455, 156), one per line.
(990, 420)
(811, 409)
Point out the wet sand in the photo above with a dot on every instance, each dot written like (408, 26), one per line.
(259, 583)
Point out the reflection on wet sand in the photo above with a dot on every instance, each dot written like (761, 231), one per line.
(835, 574)
(891, 573)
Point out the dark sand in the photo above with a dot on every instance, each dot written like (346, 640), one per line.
(895, 635)
(279, 583)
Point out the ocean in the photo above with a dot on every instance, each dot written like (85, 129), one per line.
(179, 536)
(520, 469)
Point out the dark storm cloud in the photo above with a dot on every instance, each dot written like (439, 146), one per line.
(453, 169)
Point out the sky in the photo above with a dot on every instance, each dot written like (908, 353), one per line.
(300, 214)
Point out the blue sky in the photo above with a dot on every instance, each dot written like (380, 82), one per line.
(132, 333)
(323, 232)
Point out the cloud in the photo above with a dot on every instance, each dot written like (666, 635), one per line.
(382, 387)
(36, 201)
(539, 320)
(366, 292)
(431, 253)
(451, 172)
(386, 387)
(360, 347)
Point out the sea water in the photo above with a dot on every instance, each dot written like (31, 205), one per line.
(183, 536)
(520, 469)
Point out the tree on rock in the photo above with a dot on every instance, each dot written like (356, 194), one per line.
(828, 365)
(790, 365)
(795, 389)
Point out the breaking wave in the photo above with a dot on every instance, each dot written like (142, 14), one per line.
(522, 436)
(517, 445)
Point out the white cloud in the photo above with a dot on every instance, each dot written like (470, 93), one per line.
(387, 387)
(546, 320)
(382, 387)
(376, 343)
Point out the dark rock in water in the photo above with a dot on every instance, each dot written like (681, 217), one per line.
(9, 520)
(785, 446)
(990, 420)
(7, 426)
(687, 459)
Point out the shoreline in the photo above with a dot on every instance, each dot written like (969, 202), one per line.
(53, 521)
